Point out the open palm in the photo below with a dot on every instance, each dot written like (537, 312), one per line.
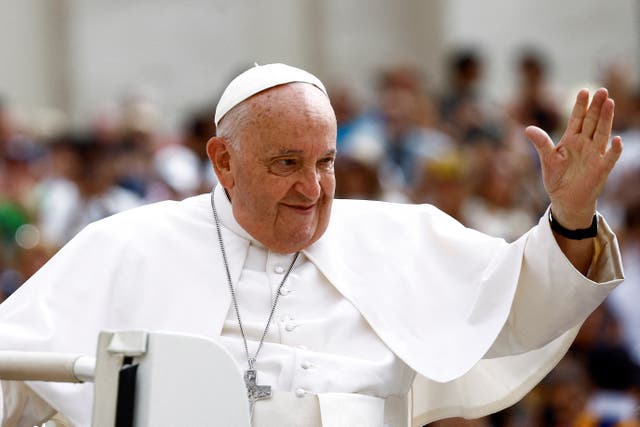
(575, 170)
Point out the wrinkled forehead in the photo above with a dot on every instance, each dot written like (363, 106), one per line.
(284, 101)
(259, 79)
(290, 112)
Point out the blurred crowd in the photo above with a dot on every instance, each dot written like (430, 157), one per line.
(452, 147)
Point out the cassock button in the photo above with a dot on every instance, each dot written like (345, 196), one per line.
(284, 291)
(278, 269)
(290, 327)
(305, 365)
(300, 392)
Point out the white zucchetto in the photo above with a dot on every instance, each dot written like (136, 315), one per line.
(259, 78)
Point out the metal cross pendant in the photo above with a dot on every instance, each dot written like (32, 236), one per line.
(255, 392)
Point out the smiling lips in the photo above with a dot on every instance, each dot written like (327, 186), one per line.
(302, 208)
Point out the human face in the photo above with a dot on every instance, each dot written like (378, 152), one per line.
(281, 174)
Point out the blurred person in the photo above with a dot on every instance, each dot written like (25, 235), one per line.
(533, 104)
(57, 190)
(7, 127)
(12, 217)
(618, 77)
(134, 157)
(465, 69)
(526, 162)
(409, 118)
(107, 125)
(565, 392)
(20, 156)
(634, 123)
(601, 328)
(347, 113)
(356, 179)
(618, 194)
(625, 301)
(19, 175)
(21, 170)
(177, 169)
(28, 260)
(196, 132)
(612, 402)
(378, 292)
(405, 77)
(181, 167)
(464, 110)
(444, 183)
(496, 209)
(85, 191)
(407, 139)
(398, 132)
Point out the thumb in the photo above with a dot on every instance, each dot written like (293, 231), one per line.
(540, 139)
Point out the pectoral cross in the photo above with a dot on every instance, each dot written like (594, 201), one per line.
(254, 391)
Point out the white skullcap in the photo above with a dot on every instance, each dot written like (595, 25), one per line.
(259, 78)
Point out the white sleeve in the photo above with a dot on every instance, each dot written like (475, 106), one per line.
(552, 296)
(21, 407)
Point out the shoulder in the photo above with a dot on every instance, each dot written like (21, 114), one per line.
(348, 211)
(153, 220)
(398, 225)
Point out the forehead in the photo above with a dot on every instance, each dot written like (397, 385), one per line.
(289, 117)
(290, 101)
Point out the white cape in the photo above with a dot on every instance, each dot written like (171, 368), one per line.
(439, 295)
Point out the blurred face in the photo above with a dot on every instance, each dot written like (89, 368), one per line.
(279, 175)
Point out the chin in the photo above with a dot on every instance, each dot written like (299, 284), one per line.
(295, 243)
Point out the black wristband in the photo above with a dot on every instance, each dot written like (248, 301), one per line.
(582, 233)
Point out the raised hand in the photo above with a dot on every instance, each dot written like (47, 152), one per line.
(575, 170)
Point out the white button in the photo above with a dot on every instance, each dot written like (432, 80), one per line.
(278, 269)
(305, 365)
(300, 392)
(290, 327)
(284, 290)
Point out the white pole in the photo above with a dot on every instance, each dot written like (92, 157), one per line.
(42, 366)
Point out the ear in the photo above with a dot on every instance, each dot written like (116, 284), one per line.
(220, 157)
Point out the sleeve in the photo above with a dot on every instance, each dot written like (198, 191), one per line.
(552, 300)
(544, 309)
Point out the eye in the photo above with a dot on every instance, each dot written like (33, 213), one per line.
(326, 164)
(284, 165)
(286, 162)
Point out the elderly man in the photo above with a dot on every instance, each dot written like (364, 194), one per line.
(335, 305)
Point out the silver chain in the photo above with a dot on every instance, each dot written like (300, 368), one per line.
(250, 360)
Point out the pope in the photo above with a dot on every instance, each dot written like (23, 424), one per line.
(330, 307)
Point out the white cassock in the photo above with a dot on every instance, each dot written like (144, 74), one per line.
(389, 290)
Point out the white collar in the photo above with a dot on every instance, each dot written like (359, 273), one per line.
(225, 214)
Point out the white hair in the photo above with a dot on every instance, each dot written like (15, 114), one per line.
(231, 125)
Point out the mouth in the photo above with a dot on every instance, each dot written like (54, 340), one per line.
(301, 208)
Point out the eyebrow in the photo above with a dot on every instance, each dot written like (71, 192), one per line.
(287, 152)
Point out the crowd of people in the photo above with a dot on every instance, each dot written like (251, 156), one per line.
(451, 147)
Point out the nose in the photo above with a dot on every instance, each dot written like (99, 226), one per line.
(309, 184)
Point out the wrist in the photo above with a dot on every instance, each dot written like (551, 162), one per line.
(574, 233)
(573, 219)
